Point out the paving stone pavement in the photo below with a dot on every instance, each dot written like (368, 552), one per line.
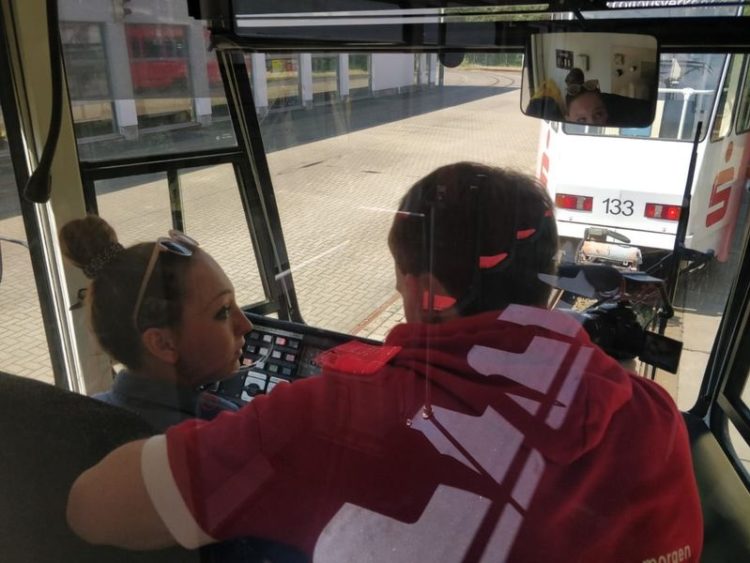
(336, 198)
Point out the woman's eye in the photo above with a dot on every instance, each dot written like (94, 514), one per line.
(224, 312)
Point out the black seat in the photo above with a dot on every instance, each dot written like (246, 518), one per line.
(48, 437)
(724, 498)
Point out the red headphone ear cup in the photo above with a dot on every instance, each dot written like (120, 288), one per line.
(439, 302)
(487, 262)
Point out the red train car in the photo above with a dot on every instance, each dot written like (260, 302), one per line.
(159, 58)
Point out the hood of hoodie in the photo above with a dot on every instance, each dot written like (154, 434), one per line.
(535, 368)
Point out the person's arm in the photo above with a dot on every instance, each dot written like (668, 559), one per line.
(193, 485)
(109, 504)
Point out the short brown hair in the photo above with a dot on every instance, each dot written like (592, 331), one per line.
(477, 211)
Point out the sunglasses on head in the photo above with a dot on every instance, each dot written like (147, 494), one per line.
(176, 243)
(588, 86)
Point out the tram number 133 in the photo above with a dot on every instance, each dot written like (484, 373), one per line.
(618, 207)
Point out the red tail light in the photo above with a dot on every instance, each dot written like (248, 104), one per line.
(576, 202)
(658, 211)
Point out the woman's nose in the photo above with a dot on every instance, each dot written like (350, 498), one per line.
(244, 325)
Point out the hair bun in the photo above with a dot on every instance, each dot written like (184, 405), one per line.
(100, 261)
(89, 243)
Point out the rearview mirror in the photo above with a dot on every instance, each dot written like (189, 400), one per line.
(601, 79)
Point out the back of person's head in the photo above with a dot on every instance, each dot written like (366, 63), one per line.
(575, 76)
(117, 273)
(491, 232)
(544, 107)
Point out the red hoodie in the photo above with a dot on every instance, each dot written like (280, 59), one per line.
(499, 437)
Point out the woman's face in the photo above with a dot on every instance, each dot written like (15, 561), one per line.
(588, 109)
(211, 335)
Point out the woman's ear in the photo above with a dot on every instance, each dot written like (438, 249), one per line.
(161, 343)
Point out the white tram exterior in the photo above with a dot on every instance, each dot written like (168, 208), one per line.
(632, 181)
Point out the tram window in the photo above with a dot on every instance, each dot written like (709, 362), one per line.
(351, 162)
(171, 101)
(215, 84)
(699, 303)
(741, 448)
(161, 75)
(737, 393)
(727, 103)
(88, 83)
(158, 59)
(23, 343)
(86, 63)
(359, 74)
(743, 116)
(339, 169)
(213, 215)
(325, 71)
(283, 76)
(140, 209)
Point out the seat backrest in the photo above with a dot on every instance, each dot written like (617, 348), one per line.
(48, 436)
(724, 498)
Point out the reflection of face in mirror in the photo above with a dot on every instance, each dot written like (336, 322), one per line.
(584, 103)
(587, 108)
(601, 79)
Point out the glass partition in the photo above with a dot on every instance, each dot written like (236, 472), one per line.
(359, 74)
(148, 84)
(325, 71)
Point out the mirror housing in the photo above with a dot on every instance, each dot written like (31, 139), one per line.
(599, 79)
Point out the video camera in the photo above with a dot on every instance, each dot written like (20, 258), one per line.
(624, 304)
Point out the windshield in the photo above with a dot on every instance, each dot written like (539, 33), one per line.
(413, 323)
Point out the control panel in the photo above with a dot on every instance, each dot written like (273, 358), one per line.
(277, 353)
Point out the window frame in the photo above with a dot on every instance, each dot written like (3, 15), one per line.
(743, 111)
(728, 96)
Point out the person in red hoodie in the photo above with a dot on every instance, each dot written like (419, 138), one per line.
(486, 428)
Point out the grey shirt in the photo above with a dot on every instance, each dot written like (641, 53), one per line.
(161, 403)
